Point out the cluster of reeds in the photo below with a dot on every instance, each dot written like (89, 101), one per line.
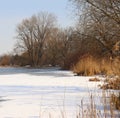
(88, 65)
(107, 109)
(90, 108)
(115, 100)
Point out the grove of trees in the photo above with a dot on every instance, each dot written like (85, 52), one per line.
(95, 38)
(99, 27)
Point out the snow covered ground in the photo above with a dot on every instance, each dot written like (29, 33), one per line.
(44, 93)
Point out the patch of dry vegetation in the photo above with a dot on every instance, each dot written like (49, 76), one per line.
(88, 65)
(112, 83)
(115, 100)
(90, 109)
(94, 79)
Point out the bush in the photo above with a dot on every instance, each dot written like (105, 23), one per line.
(5, 60)
(112, 83)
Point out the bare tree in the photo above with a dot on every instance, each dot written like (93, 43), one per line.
(25, 37)
(108, 8)
(45, 24)
(58, 46)
(32, 34)
(100, 20)
(52, 47)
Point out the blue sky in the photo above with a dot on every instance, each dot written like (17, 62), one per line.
(13, 11)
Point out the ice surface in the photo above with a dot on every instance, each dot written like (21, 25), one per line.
(43, 93)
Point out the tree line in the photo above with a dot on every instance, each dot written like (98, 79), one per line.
(99, 27)
(95, 36)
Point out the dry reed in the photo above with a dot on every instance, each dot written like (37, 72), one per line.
(88, 65)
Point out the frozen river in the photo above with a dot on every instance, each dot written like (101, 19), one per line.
(42, 93)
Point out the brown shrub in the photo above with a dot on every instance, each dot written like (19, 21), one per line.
(112, 83)
(5, 60)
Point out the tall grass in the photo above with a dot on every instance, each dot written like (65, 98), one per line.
(91, 111)
(89, 108)
(88, 65)
(115, 100)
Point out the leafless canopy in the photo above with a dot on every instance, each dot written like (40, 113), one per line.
(32, 34)
(99, 20)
